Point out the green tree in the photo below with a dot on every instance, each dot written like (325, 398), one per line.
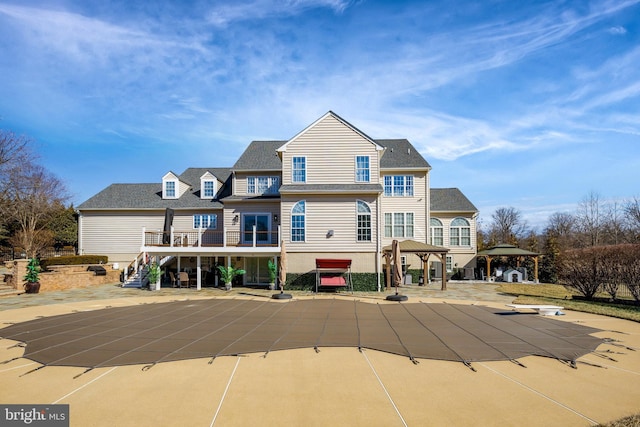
(64, 225)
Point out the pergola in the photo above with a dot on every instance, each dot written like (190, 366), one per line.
(423, 251)
(509, 251)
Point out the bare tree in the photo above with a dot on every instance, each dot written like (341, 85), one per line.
(561, 226)
(13, 148)
(508, 225)
(613, 226)
(590, 219)
(632, 220)
(31, 196)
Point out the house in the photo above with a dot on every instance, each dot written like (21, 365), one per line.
(331, 191)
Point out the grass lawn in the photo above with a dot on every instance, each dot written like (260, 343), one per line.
(559, 295)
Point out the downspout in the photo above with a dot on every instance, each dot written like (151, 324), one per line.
(378, 243)
(80, 242)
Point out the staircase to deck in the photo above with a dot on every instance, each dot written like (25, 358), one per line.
(138, 277)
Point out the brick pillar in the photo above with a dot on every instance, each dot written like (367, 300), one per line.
(19, 271)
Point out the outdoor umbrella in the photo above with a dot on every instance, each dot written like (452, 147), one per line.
(282, 273)
(397, 272)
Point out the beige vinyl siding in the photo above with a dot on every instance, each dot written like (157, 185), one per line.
(270, 208)
(240, 181)
(339, 167)
(106, 233)
(114, 232)
(329, 212)
(464, 256)
(418, 205)
(361, 262)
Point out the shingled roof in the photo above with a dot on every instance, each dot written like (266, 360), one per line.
(450, 200)
(260, 156)
(149, 196)
(400, 153)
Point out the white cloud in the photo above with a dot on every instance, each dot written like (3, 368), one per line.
(618, 30)
(226, 14)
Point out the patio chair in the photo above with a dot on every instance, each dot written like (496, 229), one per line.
(174, 282)
(183, 279)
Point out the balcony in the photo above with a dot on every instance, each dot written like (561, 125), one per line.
(205, 240)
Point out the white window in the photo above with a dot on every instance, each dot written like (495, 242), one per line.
(398, 224)
(169, 189)
(274, 185)
(263, 184)
(362, 169)
(449, 264)
(299, 169)
(209, 221)
(208, 189)
(364, 222)
(398, 185)
(298, 222)
(460, 232)
(437, 232)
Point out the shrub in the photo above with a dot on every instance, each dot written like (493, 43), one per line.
(605, 268)
(74, 260)
(362, 282)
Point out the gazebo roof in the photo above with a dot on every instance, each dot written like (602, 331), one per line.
(506, 250)
(416, 247)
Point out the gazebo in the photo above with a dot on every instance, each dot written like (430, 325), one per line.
(504, 250)
(423, 251)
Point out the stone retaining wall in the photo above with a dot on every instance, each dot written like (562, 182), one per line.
(61, 277)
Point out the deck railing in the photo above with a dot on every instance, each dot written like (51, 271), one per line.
(210, 238)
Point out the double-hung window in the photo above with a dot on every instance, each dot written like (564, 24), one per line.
(299, 169)
(170, 189)
(364, 222)
(398, 224)
(209, 221)
(362, 169)
(460, 232)
(437, 235)
(298, 214)
(398, 185)
(208, 189)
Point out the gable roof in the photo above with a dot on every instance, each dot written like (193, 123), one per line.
(401, 154)
(260, 155)
(450, 200)
(149, 196)
(338, 118)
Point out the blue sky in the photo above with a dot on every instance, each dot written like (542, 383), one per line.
(525, 104)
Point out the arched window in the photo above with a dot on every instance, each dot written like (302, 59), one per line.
(437, 233)
(298, 221)
(364, 221)
(460, 232)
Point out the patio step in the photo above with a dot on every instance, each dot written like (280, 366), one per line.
(6, 290)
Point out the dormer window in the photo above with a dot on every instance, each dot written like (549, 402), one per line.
(169, 190)
(208, 186)
(208, 189)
